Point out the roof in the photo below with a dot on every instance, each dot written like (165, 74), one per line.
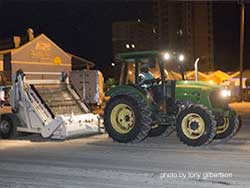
(246, 73)
(219, 74)
(7, 51)
(81, 60)
(14, 50)
(192, 73)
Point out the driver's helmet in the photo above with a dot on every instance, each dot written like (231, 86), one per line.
(145, 68)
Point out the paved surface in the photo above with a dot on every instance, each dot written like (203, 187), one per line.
(99, 162)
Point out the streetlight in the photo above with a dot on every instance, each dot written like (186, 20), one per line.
(242, 45)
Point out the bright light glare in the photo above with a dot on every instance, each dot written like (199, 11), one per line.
(166, 56)
(226, 93)
(112, 64)
(127, 46)
(132, 45)
(181, 57)
(211, 82)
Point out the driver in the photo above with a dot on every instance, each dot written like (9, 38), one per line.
(145, 76)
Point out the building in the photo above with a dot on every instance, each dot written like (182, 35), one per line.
(128, 36)
(187, 27)
(37, 54)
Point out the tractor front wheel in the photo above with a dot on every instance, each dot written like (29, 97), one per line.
(127, 118)
(227, 127)
(195, 125)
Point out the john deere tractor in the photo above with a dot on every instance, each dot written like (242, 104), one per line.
(138, 108)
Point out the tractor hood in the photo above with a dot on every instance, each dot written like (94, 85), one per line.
(210, 95)
(196, 85)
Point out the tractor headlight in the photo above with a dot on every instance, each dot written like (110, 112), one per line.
(166, 56)
(225, 93)
(181, 57)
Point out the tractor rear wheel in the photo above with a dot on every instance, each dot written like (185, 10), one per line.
(127, 118)
(8, 126)
(195, 125)
(227, 127)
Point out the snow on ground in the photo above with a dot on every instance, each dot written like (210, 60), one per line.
(97, 161)
(242, 108)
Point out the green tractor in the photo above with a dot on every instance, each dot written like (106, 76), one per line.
(138, 108)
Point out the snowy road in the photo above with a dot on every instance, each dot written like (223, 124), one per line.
(98, 162)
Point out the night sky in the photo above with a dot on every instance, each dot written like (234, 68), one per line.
(84, 27)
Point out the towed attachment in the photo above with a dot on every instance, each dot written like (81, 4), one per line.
(47, 104)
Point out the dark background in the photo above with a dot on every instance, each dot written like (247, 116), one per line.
(84, 27)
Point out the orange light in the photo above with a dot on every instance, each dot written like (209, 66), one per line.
(211, 82)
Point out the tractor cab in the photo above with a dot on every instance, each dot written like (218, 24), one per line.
(159, 65)
(152, 71)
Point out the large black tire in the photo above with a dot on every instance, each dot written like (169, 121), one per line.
(195, 125)
(142, 118)
(8, 126)
(230, 128)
